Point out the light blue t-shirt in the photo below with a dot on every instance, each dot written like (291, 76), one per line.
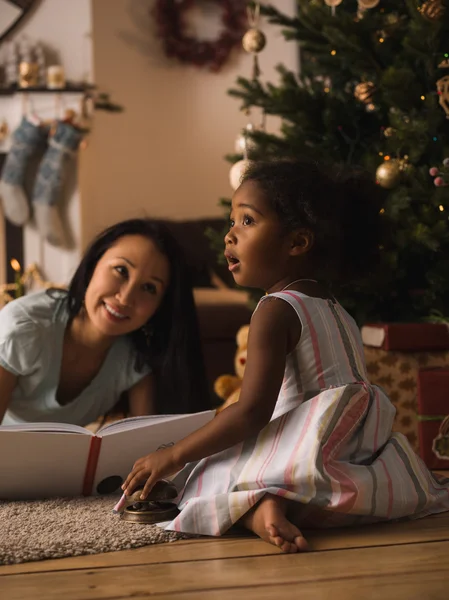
(31, 342)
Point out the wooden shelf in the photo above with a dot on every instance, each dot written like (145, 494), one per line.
(44, 90)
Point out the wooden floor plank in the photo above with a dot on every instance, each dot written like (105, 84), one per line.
(315, 568)
(422, 530)
(416, 586)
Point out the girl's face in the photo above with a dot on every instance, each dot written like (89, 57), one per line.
(257, 249)
(127, 286)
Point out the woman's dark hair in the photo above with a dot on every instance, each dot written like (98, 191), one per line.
(340, 207)
(174, 350)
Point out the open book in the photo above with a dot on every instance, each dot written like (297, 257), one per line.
(43, 460)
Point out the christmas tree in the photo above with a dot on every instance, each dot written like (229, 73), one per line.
(373, 91)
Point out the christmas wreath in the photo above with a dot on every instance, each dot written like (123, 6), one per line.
(213, 54)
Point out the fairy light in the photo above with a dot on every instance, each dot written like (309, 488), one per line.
(386, 157)
(423, 97)
(333, 52)
(381, 153)
(382, 210)
(441, 207)
(381, 40)
(326, 90)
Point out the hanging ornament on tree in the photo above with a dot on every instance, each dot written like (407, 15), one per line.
(366, 4)
(364, 93)
(333, 4)
(244, 144)
(443, 93)
(389, 132)
(388, 174)
(441, 176)
(432, 10)
(254, 39)
(237, 171)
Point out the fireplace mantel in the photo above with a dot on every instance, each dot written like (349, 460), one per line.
(57, 264)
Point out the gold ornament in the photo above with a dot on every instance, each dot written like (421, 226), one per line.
(254, 41)
(443, 93)
(364, 91)
(388, 174)
(432, 10)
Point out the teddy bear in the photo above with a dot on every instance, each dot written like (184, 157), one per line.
(228, 387)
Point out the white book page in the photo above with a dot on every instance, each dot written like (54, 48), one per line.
(132, 423)
(120, 450)
(41, 465)
(47, 427)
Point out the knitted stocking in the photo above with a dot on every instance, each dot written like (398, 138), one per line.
(50, 179)
(27, 139)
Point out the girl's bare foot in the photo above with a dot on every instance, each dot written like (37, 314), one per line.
(267, 520)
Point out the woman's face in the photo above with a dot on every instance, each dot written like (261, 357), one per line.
(127, 286)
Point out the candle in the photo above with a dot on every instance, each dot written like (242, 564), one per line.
(17, 277)
(55, 77)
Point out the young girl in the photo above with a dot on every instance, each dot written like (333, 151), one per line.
(126, 324)
(309, 442)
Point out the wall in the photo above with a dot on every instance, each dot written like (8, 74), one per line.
(64, 27)
(164, 156)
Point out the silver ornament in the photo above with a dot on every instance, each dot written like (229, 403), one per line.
(244, 143)
(254, 41)
(237, 171)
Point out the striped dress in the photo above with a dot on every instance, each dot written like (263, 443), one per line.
(328, 446)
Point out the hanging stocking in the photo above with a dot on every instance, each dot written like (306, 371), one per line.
(26, 140)
(50, 179)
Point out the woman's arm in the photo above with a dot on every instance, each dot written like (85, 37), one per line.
(8, 382)
(270, 340)
(141, 397)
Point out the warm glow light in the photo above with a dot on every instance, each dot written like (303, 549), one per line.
(381, 40)
(386, 157)
(441, 207)
(423, 97)
(326, 89)
(333, 52)
(381, 153)
(382, 210)
(15, 265)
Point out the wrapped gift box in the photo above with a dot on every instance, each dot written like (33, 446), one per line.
(397, 373)
(406, 337)
(433, 417)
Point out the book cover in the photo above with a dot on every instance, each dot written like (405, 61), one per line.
(43, 460)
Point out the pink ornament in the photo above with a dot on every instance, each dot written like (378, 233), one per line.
(439, 182)
(434, 171)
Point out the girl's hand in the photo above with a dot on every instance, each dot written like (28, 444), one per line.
(150, 469)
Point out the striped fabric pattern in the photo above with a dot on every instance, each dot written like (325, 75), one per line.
(328, 447)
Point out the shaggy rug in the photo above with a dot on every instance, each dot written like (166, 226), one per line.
(60, 527)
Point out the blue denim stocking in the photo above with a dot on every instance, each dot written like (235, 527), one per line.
(26, 140)
(50, 181)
